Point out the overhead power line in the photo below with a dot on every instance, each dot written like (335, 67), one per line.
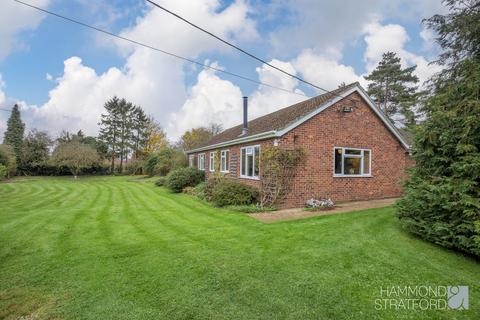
(240, 49)
(157, 49)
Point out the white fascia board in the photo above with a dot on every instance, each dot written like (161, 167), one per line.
(255, 137)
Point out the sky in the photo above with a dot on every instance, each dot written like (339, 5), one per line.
(61, 74)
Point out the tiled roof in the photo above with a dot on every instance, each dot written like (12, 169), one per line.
(279, 119)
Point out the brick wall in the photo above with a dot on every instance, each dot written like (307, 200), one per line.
(360, 128)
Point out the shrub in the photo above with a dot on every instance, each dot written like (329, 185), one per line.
(134, 167)
(229, 192)
(199, 190)
(184, 177)
(161, 182)
(250, 209)
(210, 186)
(8, 159)
(164, 161)
(3, 171)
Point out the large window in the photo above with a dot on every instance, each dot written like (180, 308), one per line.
(201, 161)
(224, 160)
(191, 160)
(249, 162)
(350, 162)
(211, 164)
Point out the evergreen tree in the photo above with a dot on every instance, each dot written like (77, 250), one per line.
(442, 196)
(126, 123)
(394, 89)
(15, 131)
(140, 132)
(110, 128)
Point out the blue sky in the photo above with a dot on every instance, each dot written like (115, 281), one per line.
(324, 42)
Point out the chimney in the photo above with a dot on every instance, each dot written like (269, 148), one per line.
(245, 116)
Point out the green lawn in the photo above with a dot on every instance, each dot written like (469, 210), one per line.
(110, 248)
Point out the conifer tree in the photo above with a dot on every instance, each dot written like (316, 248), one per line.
(394, 89)
(110, 129)
(441, 202)
(15, 131)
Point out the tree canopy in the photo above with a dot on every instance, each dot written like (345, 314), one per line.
(442, 196)
(75, 156)
(394, 88)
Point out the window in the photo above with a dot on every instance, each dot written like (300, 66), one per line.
(224, 160)
(211, 164)
(201, 161)
(191, 160)
(249, 161)
(352, 162)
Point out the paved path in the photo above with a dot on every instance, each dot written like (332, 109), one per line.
(300, 213)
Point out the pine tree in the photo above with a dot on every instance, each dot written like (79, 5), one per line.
(15, 131)
(394, 89)
(126, 123)
(140, 132)
(110, 129)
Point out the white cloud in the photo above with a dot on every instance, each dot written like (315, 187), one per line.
(393, 37)
(15, 18)
(214, 100)
(326, 72)
(148, 78)
(48, 77)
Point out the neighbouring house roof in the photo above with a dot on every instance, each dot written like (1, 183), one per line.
(277, 123)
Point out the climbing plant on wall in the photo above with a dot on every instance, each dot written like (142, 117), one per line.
(277, 170)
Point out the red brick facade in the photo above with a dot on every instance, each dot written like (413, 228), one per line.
(331, 128)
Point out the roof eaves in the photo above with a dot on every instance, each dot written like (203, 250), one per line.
(255, 137)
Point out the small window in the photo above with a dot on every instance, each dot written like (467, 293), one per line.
(224, 160)
(249, 162)
(201, 161)
(351, 162)
(191, 160)
(211, 165)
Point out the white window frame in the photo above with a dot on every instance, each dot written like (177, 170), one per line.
(201, 160)
(211, 163)
(254, 160)
(191, 160)
(224, 158)
(361, 156)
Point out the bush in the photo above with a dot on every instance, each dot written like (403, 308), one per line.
(210, 186)
(3, 172)
(161, 182)
(164, 161)
(134, 167)
(250, 209)
(200, 190)
(229, 192)
(8, 159)
(184, 177)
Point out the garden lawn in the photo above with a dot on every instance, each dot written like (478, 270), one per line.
(110, 248)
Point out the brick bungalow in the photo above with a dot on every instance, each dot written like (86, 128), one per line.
(353, 151)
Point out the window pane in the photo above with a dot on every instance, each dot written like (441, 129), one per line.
(250, 165)
(227, 155)
(352, 165)
(244, 162)
(366, 162)
(350, 151)
(257, 160)
(338, 161)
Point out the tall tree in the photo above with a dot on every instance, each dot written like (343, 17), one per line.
(36, 148)
(197, 136)
(441, 202)
(126, 123)
(156, 138)
(110, 128)
(140, 131)
(394, 88)
(15, 131)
